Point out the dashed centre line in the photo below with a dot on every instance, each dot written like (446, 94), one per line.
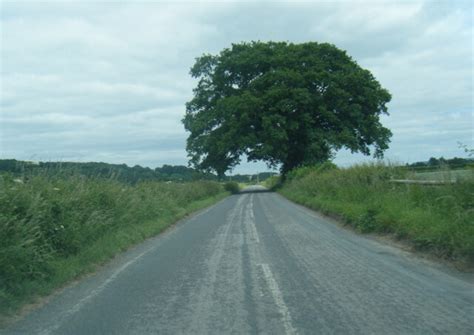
(278, 298)
(250, 221)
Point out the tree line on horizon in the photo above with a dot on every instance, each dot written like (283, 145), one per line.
(174, 173)
(434, 163)
(120, 172)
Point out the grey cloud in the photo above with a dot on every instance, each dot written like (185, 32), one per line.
(108, 81)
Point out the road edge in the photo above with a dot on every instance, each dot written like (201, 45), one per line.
(453, 267)
(195, 209)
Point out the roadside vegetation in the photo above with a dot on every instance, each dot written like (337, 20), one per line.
(232, 187)
(53, 229)
(439, 219)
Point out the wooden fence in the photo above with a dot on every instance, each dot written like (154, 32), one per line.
(422, 182)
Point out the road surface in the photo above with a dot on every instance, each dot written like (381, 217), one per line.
(256, 263)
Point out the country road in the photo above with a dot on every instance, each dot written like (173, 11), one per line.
(256, 263)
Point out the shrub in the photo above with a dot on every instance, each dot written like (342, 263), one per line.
(272, 182)
(232, 187)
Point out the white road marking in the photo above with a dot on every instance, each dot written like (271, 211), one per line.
(77, 307)
(254, 233)
(250, 221)
(251, 208)
(278, 297)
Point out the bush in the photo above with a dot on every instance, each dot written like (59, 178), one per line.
(232, 187)
(309, 169)
(272, 182)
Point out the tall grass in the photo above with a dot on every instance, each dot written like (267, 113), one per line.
(436, 218)
(53, 229)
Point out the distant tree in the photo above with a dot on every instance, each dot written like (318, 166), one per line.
(418, 164)
(469, 151)
(456, 161)
(286, 104)
(10, 165)
(433, 161)
(121, 172)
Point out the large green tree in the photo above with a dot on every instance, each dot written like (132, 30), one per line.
(286, 104)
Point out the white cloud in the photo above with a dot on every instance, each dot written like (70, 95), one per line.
(108, 81)
(361, 18)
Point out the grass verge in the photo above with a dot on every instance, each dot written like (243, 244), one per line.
(54, 230)
(438, 219)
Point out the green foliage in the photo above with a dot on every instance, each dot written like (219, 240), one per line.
(122, 172)
(272, 183)
(232, 187)
(434, 164)
(252, 178)
(52, 229)
(438, 218)
(305, 170)
(286, 104)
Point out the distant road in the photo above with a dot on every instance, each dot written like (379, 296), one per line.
(256, 263)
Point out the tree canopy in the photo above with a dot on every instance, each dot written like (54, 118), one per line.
(286, 104)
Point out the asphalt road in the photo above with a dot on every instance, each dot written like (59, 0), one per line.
(256, 263)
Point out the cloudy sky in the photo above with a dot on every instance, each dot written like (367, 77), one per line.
(107, 81)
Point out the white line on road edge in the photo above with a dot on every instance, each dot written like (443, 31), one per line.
(92, 294)
(278, 297)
